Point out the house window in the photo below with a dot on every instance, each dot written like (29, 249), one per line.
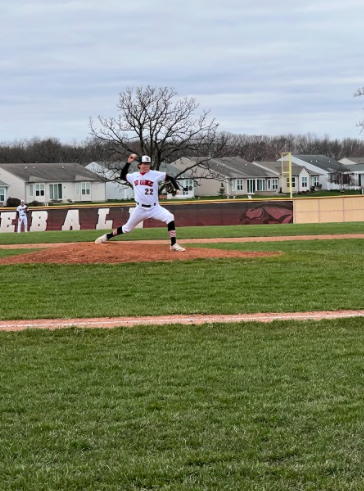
(304, 182)
(85, 188)
(250, 185)
(2, 194)
(236, 185)
(77, 189)
(260, 184)
(293, 182)
(315, 181)
(272, 184)
(186, 185)
(39, 189)
(55, 191)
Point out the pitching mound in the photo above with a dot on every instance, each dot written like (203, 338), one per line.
(121, 252)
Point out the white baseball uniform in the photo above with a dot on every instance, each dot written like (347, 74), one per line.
(146, 196)
(22, 212)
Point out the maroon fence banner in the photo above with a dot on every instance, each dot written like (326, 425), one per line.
(186, 214)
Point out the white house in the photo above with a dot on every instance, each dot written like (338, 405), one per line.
(356, 172)
(237, 176)
(55, 182)
(3, 192)
(333, 175)
(113, 190)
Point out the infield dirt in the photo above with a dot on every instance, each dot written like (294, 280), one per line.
(120, 252)
(144, 250)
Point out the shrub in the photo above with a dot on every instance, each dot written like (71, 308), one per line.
(13, 202)
(222, 190)
(35, 203)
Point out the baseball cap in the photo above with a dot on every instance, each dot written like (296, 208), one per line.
(146, 159)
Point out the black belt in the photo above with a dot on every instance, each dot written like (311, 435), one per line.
(146, 206)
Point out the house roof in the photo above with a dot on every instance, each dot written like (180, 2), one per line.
(323, 162)
(164, 167)
(356, 160)
(355, 167)
(2, 183)
(234, 167)
(44, 172)
(296, 169)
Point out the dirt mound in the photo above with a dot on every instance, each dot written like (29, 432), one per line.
(121, 252)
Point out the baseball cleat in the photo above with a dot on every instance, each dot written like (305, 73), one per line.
(177, 248)
(101, 240)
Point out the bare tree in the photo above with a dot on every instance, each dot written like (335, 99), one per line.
(152, 121)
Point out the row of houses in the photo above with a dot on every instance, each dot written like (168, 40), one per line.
(231, 176)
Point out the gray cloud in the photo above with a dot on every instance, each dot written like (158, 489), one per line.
(259, 67)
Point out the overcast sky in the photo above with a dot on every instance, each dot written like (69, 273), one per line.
(261, 66)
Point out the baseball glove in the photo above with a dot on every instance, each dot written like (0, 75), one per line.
(170, 189)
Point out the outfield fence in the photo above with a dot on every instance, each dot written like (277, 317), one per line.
(196, 213)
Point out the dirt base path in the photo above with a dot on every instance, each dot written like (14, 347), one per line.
(111, 322)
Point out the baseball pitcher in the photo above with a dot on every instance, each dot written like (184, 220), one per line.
(145, 183)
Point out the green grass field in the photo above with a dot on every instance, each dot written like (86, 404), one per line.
(218, 407)
(188, 233)
(309, 275)
(234, 407)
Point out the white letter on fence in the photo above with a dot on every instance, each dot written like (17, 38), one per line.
(103, 223)
(72, 221)
(39, 221)
(7, 221)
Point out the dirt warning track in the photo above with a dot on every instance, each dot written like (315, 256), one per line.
(112, 322)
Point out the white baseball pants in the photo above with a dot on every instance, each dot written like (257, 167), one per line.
(140, 214)
(23, 220)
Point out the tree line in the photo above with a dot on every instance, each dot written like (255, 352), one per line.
(249, 147)
(154, 121)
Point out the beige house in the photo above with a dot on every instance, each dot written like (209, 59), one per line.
(233, 175)
(303, 179)
(52, 182)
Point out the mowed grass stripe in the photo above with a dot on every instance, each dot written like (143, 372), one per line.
(271, 230)
(309, 275)
(216, 407)
(15, 252)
